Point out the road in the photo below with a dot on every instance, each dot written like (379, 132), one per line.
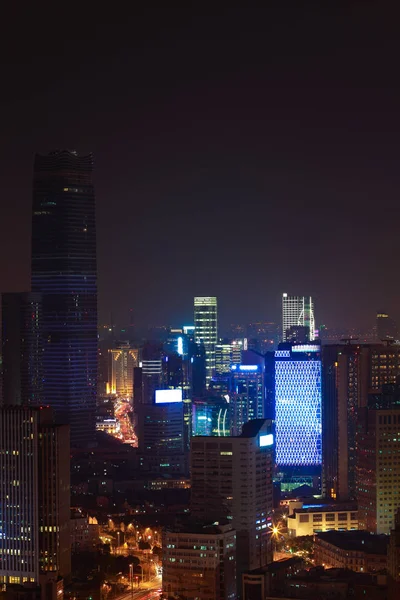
(147, 594)
(122, 410)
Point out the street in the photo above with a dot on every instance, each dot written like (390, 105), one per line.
(144, 594)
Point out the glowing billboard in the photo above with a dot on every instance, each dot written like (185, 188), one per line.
(167, 396)
(266, 439)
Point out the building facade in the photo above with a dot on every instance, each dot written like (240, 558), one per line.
(378, 461)
(247, 394)
(22, 348)
(206, 329)
(311, 519)
(358, 551)
(161, 435)
(211, 416)
(232, 479)
(350, 372)
(298, 311)
(64, 271)
(298, 421)
(34, 495)
(199, 562)
(123, 361)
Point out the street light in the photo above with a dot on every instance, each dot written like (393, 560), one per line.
(142, 572)
(131, 577)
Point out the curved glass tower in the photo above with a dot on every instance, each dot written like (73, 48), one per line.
(64, 272)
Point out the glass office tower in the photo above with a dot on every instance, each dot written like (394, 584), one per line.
(64, 272)
(206, 329)
(298, 311)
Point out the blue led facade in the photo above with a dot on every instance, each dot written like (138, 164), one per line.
(298, 412)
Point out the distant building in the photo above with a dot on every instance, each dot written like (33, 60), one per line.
(22, 348)
(35, 474)
(386, 327)
(199, 561)
(262, 336)
(64, 271)
(206, 329)
(152, 373)
(298, 334)
(358, 551)
(123, 361)
(378, 461)
(247, 394)
(298, 310)
(211, 416)
(232, 479)
(223, 358)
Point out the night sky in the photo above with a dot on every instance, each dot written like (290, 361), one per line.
(239, 153)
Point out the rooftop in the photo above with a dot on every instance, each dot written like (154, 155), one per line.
(356, 541)
(313, 508)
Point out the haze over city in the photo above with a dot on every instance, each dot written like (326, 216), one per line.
(242, 154)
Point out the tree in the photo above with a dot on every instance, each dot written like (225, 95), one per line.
(144, 545)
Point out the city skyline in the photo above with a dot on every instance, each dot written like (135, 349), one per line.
(200, 347)
(299, 129)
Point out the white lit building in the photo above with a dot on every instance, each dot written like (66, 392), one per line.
(206, 329)
(297, 311)
(308, 519)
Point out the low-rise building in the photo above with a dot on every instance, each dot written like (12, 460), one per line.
(109, 425)
(340, 584)
(259, 584)
(358, 551)
(308, 519)
(199, 562)
(84, 532)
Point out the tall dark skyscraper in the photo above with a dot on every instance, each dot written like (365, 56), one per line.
(64, 272)
(22, 348)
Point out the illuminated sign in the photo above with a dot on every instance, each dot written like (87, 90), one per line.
(266, 439)
(306, 348)
(167, 396)
(188, 329)
(244, 367)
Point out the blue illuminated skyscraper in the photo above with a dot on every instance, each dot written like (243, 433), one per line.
(64, 272)
(298, 409)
